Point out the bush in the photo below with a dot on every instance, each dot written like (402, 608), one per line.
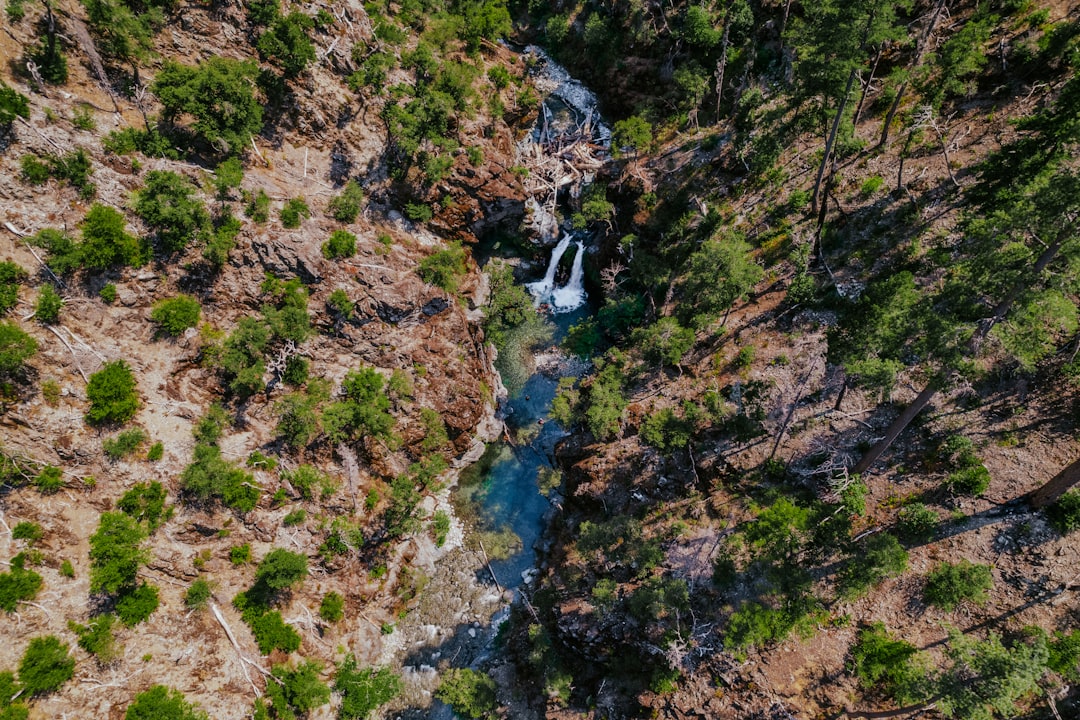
(16, 347)
(106, 241)
(306, 479)
(281, 569)
(145, 503)
(1064, 513)
(272, 633)
(293, 212)
(664, 342)
(11, 275)
(884, 663)
(116, 553)
(257, 206)
(970, 480)
(211, 477)
(332, 607)
(287, 44)
(47, 307)
(346, 207)
(97, 638)
(168, 206)
(916, 523)
(50, 480)
(45, 666)
(949, 584)
(297, 424)
(17, 585)
(31, 532)
(161, 703)
(469, 692)
(879, 557)
(240, 554)
(123, 444)
(364, 691)
(444, 268)
(112, 395)
(108, 293)
(156, 452)
(198, 594)
(666, 431)
(297, 691)
(294, 518)
(177, 314)
(13, 104)
(136, 606)
(342, 244)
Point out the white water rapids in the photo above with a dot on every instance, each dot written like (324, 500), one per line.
(570, 296)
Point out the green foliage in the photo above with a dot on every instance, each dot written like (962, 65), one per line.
(162, 703)
(146, 503)
(296, 370)
(34, 170)
(257, 206)
(137, 605)
(469, 692)
(1064, 513)
(240, 554)
(986, 678)
(435, 437)
(633, 134)
(16, 347)
(241, 357)
(106, 243)
(11, 709)
(286, 43)
(281, 569)
(878, 557)
(664, 342)
(666, 431)
(124, 444)
(307, 479)
(364, 690)
(332, 607)
(418, 212)
(123, 32)
(342, 244)
(272, 633)
(606, 403)
(297, 423)
(47, 307)
(345, 208)
(151, 143)
(116, 553)
(50, 480)
(228, 175)
(440, 527)
(444, 268)
(13, 104)
(45, 666)
(31, 532)
(758, 624)
(401, 516)
(293, 212)
(11, 275)
(218, 94)
(949, 584)
(887, 664)
(916, 523)
(97, 638)
(156, 452)
(108, 293)
(288, 317)
(169, 207)
(17, 585)
(296, 691)
(718, 274)
(74, 168)
(211, 477)
(294, 518)
(340, 304)
(970, 480)
(210, 426)
(198, 594)
(67, 569)
(50, 392)
(365, 410)
(112, 394)
(780, 529)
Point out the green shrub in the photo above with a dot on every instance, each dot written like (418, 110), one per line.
(16, 347)
(949, 584)
(11, 276)
(440, 526)
(34, 170)
(198, 594)
(294, 517)
(916, 523)
(31, 532)
(17, 585)
(1064, 513)
(970, 480)
(298, 690)
(664, 342)
(332, 607)
(240, 554)
(364, 690)
(346, 207)
(871, 185)
(211, 477)
(281, 569)
(108, 293)
(116, 553)
(13, 104)
(297, 423)
(145, 503)
(50, 480)
(47, 307)
(156, 452)
(879, 557)
(161, 703)
(444, 268)
(272, 633)
(342, 244)
(106, 241)
(228, 175)
(293, 212)
(287, 44)
(666, 431)
(257, 206)
(886, 664)
(97, 638)
(112, 395)
(307, 479)
(418, 212)
(67, 569)
(151, 143)
(169, 207)
(124, 444)
(45, 666)
(470, 693)
(176, 314)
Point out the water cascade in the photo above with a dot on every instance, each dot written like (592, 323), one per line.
(572, 295)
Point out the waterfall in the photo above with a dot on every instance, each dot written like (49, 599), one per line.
(572, 295)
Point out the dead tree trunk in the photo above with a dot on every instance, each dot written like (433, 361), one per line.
(898, 426)
(721, 64)
(920, 50)
(866, 87)
(1056, 486)
(831, 140)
